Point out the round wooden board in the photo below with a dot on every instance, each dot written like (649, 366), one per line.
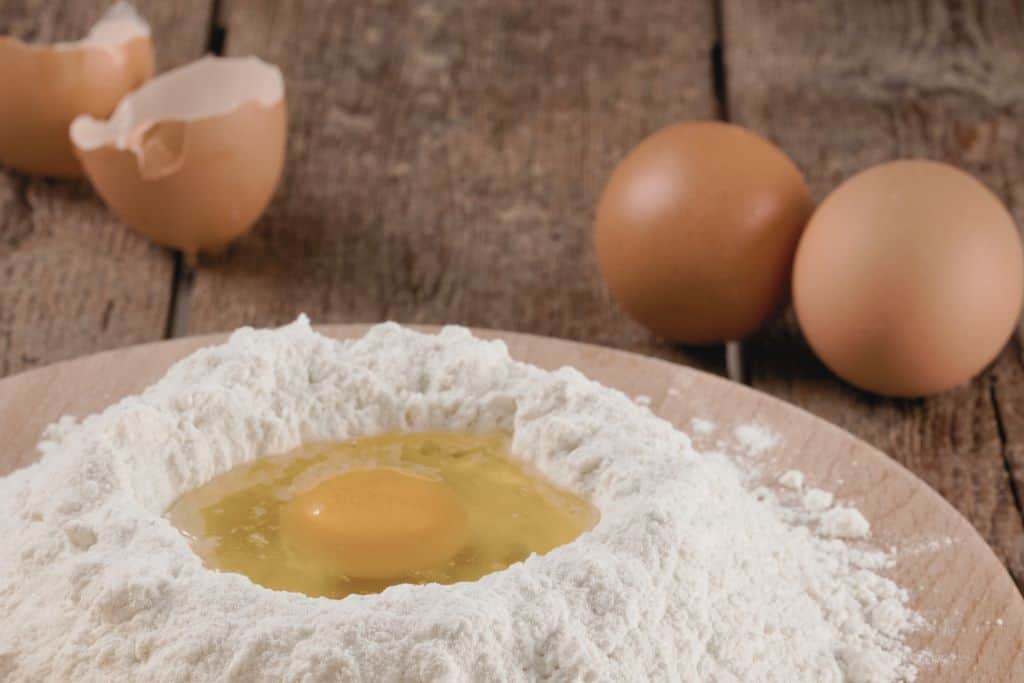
(975, 612)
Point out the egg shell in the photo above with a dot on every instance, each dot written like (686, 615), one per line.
(696, 229)
(192, 159)
(44, 87)
(909, 278)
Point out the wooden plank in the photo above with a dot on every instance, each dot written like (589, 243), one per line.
(445, 160)
(846, 86)
(73, 279)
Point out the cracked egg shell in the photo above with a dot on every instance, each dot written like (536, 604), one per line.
(192, 158)
(46, 86)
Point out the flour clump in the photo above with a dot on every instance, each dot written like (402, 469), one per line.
(690, 573)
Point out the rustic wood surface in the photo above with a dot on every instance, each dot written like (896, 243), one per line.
(959, 585)
(445, 159)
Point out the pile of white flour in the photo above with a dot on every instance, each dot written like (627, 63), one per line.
(692, 573)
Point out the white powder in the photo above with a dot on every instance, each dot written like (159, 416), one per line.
(844, 522)
(688, 575)
(755, 438)
(817, 500)
(923, 546)
(792, 479)
(701, 426)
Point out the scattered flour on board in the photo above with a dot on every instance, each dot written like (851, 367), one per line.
(923, 547)
(693, 573)
(792, 479)
(817, 500)
(701, 426)
(844, 522)
(755, 439)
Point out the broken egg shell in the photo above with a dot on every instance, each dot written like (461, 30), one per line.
(191, 182)
(46, 86)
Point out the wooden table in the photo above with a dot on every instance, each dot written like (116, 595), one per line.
(445, 159)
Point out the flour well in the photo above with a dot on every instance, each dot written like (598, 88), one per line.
(692, 573)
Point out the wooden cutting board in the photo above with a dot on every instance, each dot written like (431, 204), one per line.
(975, 611)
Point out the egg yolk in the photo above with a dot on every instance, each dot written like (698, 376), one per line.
(375, 523)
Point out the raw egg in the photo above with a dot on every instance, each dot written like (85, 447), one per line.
(909, 278)
(192, 158)
(333, 519)
(44, 87)
(696, 230)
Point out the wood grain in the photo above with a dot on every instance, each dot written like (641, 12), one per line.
(848, 85)
(445, 159)
(73, 279)
(955, 581)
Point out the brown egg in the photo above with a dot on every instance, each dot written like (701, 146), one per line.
(909, 278)
(44, 87)
(192, 158)
(696, 231)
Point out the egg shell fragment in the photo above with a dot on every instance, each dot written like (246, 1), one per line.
(909, 278)
(44, 87)
(191, 159)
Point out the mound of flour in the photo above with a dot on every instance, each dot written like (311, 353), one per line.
(692, 573)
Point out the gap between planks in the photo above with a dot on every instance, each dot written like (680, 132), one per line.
(733, 350)
(1007, 465)
(183, 276)
(182, 280)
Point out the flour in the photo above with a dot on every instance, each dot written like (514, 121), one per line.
(792, 479)
(687, 576)
(755, 438)
(844, 522)
(817, 500)
(701, 426)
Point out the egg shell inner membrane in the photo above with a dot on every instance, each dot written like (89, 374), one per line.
(119, 24)
(208, 87)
